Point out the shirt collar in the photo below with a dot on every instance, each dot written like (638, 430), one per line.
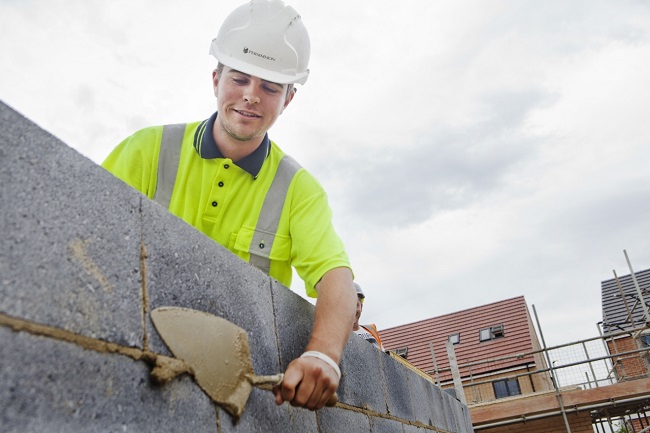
(207, 148)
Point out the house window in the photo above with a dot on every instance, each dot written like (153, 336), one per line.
(454, 338)
(403, 352)
(506, 388)
(645, 339)
(491, 333)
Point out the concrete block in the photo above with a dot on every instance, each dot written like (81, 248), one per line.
(438, 410)
(422, 398)
(263, 415)
(452, 405)
(461, 415)
(50, 386)
(334, 420)
(294, 318)
(383, 425)
(363, 377)
(465, 422)
(61, 257)
(397, 388)
(409, 428)
(187, 269)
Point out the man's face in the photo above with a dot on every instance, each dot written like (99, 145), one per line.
(248, 106)
(357, 315)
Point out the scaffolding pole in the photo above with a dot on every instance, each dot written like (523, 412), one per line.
(458, 383)
(553, 376)
(630, 318)
(435, 363)
(646, 316)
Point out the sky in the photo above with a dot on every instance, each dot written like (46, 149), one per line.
(472, 150)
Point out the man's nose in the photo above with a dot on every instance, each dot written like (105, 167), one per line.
(250, 94)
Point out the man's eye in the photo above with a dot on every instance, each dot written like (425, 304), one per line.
(239, 81)
(270, 89)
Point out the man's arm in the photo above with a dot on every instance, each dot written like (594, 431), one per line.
(309, 382)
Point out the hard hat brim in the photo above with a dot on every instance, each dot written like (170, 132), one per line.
(256, 71)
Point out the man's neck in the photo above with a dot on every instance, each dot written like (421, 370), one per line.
(232, 148)
(237, 151)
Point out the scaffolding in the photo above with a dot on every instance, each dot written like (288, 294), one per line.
(607, 359)
(582, 364)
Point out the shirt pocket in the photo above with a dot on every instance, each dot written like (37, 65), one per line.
(261, 243)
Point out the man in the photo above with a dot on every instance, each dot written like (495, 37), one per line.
(234, 184)
(367, 332)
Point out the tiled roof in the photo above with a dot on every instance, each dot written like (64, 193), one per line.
(511, 313)
(615, 310)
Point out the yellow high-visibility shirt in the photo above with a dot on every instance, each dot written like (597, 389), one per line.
(223, 199)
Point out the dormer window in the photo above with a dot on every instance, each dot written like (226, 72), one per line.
(487, 334)
(454, 338)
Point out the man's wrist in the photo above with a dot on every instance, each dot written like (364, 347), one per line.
(323, 357)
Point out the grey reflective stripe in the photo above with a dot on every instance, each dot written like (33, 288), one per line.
(269, 219)
(168, 160)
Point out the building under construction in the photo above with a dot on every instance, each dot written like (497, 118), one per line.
(492, 359)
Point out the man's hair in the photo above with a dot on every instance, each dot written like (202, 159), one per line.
(219, 70)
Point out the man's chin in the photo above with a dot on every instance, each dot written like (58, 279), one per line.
(244, 137)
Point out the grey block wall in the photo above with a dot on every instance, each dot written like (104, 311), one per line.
(84, 259)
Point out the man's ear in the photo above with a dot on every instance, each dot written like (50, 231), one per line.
(289, 98)
(215, 82)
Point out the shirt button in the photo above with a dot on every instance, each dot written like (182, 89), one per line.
(220, 183)
(214, 204)
(226, 166)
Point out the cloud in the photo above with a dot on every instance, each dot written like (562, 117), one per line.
(445, 168)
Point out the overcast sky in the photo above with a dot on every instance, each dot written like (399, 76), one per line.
(473, 151)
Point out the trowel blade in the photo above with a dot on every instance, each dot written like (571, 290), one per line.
(217, 351)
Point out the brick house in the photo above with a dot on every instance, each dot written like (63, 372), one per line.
(490, 331)
(501, 372)
(625, 304)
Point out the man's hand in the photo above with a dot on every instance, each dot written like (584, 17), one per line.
(308, 382)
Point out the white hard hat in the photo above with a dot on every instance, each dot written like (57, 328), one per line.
(359, 291)
(265, 39)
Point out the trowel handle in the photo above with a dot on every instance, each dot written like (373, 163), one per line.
(332, 400)
(268, 382)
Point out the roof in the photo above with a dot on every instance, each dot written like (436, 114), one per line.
(511, 313)
(616, 308)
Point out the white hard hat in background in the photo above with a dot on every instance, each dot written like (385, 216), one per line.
(360, 293)
(266, 39)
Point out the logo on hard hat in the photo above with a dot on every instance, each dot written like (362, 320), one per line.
(247, 51)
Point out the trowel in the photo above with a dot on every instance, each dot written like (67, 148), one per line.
(217, 354)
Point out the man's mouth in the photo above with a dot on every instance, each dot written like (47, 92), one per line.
(247, 114)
